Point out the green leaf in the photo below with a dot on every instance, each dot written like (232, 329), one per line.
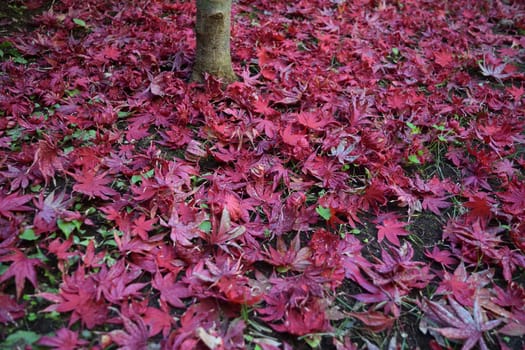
(324, 212)
(149, 174)
(28, 235)
(19, 340)
(67, 227)
(79, 22)
(355, 231)
(123, 114)
(439, 127)
(413, 128)
(135, 179)
(313, 340)
(282, 269)
(395, 51)
(412, 159)
(72, 93)
(19, 59)
(205, 226)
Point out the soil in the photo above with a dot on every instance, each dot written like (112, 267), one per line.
(17, 15)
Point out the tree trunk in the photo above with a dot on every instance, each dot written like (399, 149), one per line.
(213, 40)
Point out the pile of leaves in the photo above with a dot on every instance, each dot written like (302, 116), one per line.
(361, 185)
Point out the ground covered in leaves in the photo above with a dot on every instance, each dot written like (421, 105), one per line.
(360, 186)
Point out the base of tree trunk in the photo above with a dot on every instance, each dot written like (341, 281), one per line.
(213, 41)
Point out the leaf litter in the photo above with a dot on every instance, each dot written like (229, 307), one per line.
(281, 211)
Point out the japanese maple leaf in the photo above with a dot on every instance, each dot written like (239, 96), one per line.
(13, 202)
(92, 259)
(50, 207)
(460, 323)
(293, 139)
(391, 229)
(313, 120)
(286, 258)
(20, 177)
(61, 247)
(287, 314)
(462, 284)
(158, 321)
(516, 92)
(115, 284)
(49, 210)
(48, 157)
(92, 184)
(514, 199)
(443, 58)
(374, 195)
(434, 204)
(170, 290)
(494, 71)
(343, 150)
(134, 336)
(441, 256)
(181, 232)
(375, 321)
(9, 309)
(64, 339)
(223, 234)
(22, 268)
(110, 52)
(269, 128)
(239, 290)
(262, 106)
(480, 205)
(141, 226)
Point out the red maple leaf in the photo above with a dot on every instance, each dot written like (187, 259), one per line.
(92, 184)
(287, 258)
(78, 293)
(134, 336)
(64, 339)
(443, 58)
(434, 204)
(141, 226)
(374, 195)
(293, 139)
(22, 268)
(441, 256)
(114, 284)
(375, 321)
(481, 206)
(313, 120)
(171, 291)
(111, 52)
(13, 202)
(9, 309)
(459, 323)
(262, 107)
(48, 158)
(49, 210)
(514, 199)
(516, 92)
(158, 321)
(391, 229)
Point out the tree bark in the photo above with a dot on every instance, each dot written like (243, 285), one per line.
(213, 40)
